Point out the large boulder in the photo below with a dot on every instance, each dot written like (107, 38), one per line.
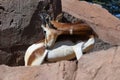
(18, 23)
(17, 28)
(106, 26)
(57, 71)
(102, 65)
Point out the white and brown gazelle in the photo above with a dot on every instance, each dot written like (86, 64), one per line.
(37, 52)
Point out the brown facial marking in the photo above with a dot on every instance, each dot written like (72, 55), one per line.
(51, 37)
(46, 40)
(39, 51)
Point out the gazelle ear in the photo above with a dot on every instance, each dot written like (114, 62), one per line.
(59, 17)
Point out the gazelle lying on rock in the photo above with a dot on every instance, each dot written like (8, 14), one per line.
(37, 53)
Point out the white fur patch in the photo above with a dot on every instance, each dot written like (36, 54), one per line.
(39, 59)
(60, 52)
(71, 31)
(90, 42)
(78, 50)
(60, 43)
(30, 50)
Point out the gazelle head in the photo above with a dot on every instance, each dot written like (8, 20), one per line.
(50, 35)
(50, 32)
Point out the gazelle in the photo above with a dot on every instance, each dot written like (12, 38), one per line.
(36, 53)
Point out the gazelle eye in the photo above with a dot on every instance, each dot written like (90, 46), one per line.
(44, 32)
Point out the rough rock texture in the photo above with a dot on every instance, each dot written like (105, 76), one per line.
(102, 65)
(102, 22)
(100, 45)
(17, 23)
(57, 71)
(19, 28)
(5, 57)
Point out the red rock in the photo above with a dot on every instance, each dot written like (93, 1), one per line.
(57, 71)
(102, 65)
(102, 22)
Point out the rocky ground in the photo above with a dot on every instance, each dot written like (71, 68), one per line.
(20, 27)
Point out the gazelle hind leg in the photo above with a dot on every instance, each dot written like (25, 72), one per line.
(78, 50)
(88, 45)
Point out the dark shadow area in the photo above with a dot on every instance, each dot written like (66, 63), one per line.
(34, 23)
